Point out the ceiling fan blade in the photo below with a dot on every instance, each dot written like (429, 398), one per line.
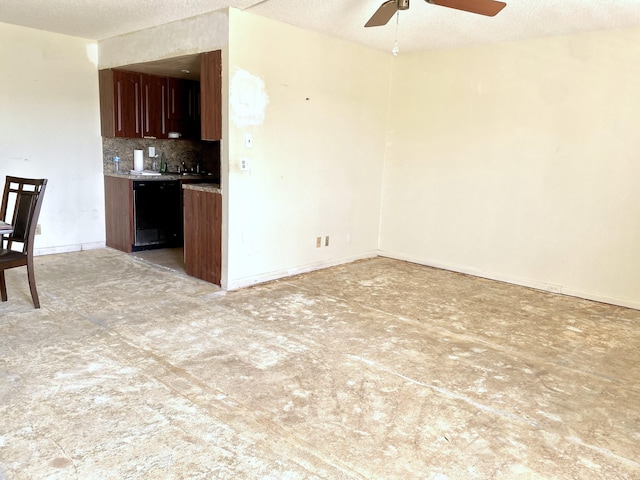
(383, 14)
(490, 8)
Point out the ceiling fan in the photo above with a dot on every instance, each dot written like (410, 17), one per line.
(389, 8)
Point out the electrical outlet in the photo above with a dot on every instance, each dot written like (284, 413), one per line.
(38, 229)
(152, 152)
(326, 241)
(318, 242)
(245, 164)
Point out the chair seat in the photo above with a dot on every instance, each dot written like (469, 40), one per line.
(11, 259)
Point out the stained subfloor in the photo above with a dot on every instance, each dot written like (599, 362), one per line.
(378, 369)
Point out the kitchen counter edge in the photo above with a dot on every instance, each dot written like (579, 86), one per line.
(164, 176)
(203, 187)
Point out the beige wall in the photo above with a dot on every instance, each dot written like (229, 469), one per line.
(316, 165)
(49, 127)
(520, 162)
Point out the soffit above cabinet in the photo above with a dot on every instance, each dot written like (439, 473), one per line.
(187, 67)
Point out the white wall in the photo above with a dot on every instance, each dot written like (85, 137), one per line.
(49, 127)
(519, 162)
(316, 164)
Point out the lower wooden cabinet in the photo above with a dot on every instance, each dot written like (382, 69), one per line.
(118, 195)
(142, 214)
(203, 234)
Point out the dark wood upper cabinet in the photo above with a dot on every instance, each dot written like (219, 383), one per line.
(183, 104)
(120, 103)
(136, 105)
(107, 113)
(211, 95)
(154, 106)
(192, 101)
(178, 98)
(128, 104)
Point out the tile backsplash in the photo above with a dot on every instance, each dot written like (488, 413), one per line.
(191, 152)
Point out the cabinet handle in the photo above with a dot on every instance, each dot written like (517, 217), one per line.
(146, 109)
(119, 107)
(137, 100)
(164, 109)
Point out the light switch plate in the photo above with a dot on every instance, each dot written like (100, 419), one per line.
(152, 152)
(248, 140)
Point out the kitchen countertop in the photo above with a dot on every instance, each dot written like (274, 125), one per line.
(164, 176)
(203, 187)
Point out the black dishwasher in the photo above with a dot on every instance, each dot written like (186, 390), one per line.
(156, 214)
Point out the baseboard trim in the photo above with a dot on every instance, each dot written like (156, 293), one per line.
(278, 274)
(523, 282)
(68, 248)
(309, 267)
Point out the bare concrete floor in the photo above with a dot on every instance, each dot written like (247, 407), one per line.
(377, 369)
(171, 258)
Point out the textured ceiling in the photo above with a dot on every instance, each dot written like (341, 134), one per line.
(422, 27)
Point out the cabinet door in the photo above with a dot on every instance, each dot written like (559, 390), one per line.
(154, 106)
(183, 107)
(135, 105)
(118, 193)
(203, 235)
(192, 106)
(177, 99)
(211, 95)
(192, 88)
(107, 114)
(127, 96)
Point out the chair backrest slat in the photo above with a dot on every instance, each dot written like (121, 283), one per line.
(22, 215)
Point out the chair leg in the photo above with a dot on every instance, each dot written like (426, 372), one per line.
(3, 287)
(32, 283)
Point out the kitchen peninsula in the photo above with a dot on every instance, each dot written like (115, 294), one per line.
(202, 231)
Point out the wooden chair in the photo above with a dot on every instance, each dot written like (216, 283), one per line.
(21, 200)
